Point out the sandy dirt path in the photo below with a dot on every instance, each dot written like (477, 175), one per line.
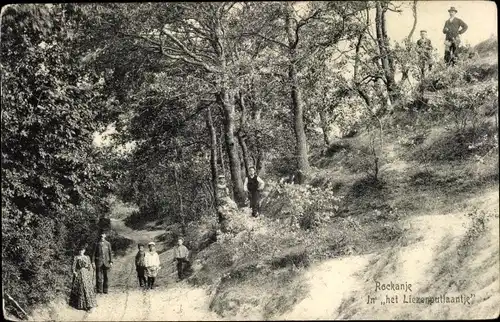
(338, 288)
(126, 302)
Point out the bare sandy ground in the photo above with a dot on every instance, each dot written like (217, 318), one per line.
(340, 288)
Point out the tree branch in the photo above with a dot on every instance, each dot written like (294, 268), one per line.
(265, 38)
(189, 61)
(414, 10)
(302, 23)
(149, 40)
(181, 45)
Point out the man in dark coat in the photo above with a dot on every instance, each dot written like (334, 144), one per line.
(102, 260)
(253, 185)
(453, 28)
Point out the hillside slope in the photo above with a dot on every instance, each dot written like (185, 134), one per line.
(442, 256)
(434, 264)
(431, 220)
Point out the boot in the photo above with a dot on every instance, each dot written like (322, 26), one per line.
(152, 282)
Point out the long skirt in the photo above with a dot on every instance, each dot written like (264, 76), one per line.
(82, 295)
(151, 271)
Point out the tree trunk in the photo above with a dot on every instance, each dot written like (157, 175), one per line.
(180, 200)
(409, 40)
(232, 148)
(244, 151)
(324, 127)
(385, 56)
(227, 103)
(259, 163)
(258, 155)
(414, 11)
(221, 150)
(242, 133)
(213, 149)
(296, 95)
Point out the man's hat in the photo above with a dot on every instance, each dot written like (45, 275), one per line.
(423, 30)
(151, 243)
(452, 9)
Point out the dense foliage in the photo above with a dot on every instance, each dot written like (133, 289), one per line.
(52, 176)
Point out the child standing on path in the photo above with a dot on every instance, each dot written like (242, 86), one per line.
(180, 255)
(140, 265)
(152, 263)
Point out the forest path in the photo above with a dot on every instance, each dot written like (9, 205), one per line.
(338, 288)
(127, 302)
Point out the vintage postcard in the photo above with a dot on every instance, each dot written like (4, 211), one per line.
(250, 160)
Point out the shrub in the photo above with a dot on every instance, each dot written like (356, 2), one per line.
(202, 233)
(463, 73)
(119, 244)
(475, 228)
(36, 259)
(463, 105)
(457, 144)
(337, 147)
(305, 206)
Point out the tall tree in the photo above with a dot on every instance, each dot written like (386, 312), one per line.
(292, 29)
(194, 35)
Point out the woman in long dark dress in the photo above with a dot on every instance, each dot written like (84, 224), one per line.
(82, 295)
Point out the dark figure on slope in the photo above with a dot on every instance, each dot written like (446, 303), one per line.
(254, 185)
(453, 28)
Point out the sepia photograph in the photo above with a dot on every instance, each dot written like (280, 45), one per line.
(250, 161)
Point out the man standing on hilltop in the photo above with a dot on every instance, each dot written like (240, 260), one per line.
(424, 48)
(453, 28)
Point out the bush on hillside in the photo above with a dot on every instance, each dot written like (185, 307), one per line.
(304, 206)
(489, 46)
(119, 244)
(476, 227)
(482, 72)
(337, 147)
(464, 72)
(458, 144)
(463, 105)
(201, 233)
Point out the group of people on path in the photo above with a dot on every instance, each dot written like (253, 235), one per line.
(85, 268)
(147, 264)
(453, 28)
(83, 294)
